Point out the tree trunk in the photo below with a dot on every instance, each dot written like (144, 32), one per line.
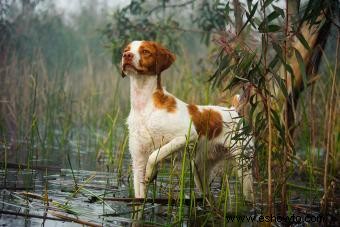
(238, 16)
(292, 10)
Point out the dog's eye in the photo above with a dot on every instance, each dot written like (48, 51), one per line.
(146, 52)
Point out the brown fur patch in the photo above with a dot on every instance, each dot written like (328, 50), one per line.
(163, 101)
(154, 58)
(208, 122)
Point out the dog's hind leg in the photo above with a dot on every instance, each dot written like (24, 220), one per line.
(245, 175)
(201, 178)
(206, 158)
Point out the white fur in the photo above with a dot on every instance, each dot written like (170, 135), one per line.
(154, 134)
(134, 49)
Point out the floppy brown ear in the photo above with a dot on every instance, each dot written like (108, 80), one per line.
(164, 59)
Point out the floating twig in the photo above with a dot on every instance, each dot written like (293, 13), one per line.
(142, 200)
(71, 219)
(6, 212)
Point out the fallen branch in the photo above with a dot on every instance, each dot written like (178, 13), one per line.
(29, 215)
(142, 200)
(34, 196)
(56, 204)
(71, 219)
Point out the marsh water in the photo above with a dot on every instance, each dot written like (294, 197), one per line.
(32, 196)
(91, 187)
(84, 185)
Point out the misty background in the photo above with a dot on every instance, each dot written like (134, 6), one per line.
(61, 82)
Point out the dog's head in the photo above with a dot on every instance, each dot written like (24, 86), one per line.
(145, 58)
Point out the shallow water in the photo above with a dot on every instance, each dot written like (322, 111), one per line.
(60, 188)
(79, 192)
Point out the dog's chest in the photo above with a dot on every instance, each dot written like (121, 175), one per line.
(153, 128)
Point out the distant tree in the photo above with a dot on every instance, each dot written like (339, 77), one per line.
(34, 37)
(8, 36)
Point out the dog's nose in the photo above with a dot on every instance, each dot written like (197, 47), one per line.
(128, 55)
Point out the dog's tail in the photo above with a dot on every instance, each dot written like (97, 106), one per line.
(240, 103)
(235, 101)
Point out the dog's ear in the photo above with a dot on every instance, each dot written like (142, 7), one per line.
(126, 48)
(164, 58)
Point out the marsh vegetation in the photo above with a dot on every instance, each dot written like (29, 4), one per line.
(63, 140)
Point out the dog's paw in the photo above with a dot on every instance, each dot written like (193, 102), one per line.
(150, 175)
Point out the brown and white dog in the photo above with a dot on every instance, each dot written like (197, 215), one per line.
(159, 122)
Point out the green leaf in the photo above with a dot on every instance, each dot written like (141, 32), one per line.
(273, 62)
(224, 62)
(269, 28)
(281, 83)
(278, 50)
(273, 16)
(217, 77)
(234, 81)
(259, 122)
(249, 16)
(277, 123)
(267, 3)
(279, 11)
(249, 3)
(274, 28)
(303, 41)
(288, 68)
(302, 67)
(276, 119)
(226, 9)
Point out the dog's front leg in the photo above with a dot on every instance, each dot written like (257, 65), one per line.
(138, 165)
(163, 152)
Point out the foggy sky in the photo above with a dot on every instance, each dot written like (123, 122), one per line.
(72, 6)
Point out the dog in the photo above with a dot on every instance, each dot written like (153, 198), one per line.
(159, 124)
